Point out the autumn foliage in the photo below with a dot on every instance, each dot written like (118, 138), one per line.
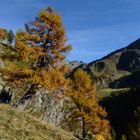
(83, 92)
(39, 53)
(47, 31)
(3, 34)
(38, 59)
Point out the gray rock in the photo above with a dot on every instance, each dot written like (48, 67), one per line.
(61, 112)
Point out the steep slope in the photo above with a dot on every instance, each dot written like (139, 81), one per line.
(44, 105)
(18, 125)
(117, 69)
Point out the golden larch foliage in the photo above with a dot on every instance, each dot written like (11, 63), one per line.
(83, 92)
(3, 34)
(38, 57)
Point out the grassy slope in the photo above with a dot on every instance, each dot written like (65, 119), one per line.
(107, 92)
(15, 125)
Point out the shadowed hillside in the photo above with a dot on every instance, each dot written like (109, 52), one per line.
(120, 107)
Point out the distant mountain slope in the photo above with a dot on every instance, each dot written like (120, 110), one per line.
(20, 126)
(117, 69)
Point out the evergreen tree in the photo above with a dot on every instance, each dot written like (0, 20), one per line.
(10, 36)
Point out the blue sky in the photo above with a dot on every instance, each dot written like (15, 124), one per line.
(94, 27)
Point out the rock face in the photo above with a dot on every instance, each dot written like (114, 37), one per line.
(49, 109)
(60, 112)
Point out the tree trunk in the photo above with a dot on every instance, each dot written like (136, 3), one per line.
(23, 102)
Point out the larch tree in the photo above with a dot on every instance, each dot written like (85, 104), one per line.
(83, 92)
(38, 56)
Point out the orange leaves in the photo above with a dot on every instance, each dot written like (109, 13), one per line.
(83, 89)
(83, 81)
(50, 16)
(39, 53)
(35, 79)
(47, 31)
(54, 79)
(28, 51)
(67, 48)
(83, 92)
(3, 34)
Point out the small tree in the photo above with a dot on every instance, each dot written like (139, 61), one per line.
(10, 37)
(83, 92)
(38, 57)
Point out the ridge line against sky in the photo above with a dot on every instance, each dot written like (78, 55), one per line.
(94, 27)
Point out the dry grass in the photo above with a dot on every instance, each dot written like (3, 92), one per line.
(15, 125)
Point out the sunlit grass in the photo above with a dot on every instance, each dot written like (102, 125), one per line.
(102, 93)
(15, 125)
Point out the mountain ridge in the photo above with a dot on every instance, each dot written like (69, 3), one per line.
(130, 46)
(114, 66)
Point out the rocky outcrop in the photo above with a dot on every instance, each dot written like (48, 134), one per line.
(51, 109)
(48, 108)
